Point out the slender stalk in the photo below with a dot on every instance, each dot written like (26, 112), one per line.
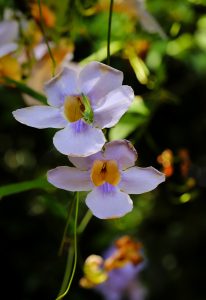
(67, 273)
(46, 40)
(75, 249)
(84, 222)
(109, 31)
(66, 228)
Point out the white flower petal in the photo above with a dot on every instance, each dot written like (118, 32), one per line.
(79, 139)
(122, 151)
(40, 117)
(113, 106)
(140, 180)
(97, 79)
(107, 205)
(63, 84)
(70, 179)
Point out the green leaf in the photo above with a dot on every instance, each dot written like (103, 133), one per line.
(138, 106)
(27, 90)
(10, 189)
(138, 65)
(101, 54)
(127, 124)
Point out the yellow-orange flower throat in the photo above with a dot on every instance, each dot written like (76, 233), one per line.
(73, 108)
(105, 171)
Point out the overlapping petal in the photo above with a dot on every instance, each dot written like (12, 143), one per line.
(113, 106)
(85, 163)
(41, 116)
(122, 151)
(70, 179)
(62, 85)
(79, 139)
(140, 180)
(96, 80)
(107, 205)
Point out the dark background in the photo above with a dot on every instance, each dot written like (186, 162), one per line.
(171, 221)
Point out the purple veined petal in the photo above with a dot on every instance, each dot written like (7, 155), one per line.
(85, 163)
(108, 202)
(113, 106)
(70, 179)
(79, 139)
(140, 180)
(97, 79)
(122, 151)
(42, 116)
(63, 84)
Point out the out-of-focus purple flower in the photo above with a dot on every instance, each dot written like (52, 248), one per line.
(115, 275)
(82, 103)
(122, 278)
(123, 281)
(9, 32)
(111, 175)
(147, 21)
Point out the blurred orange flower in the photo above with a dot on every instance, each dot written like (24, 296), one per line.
(166, 159)
(185, 161)
(127, 250)
(48, 16)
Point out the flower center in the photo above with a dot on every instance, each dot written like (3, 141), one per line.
(105, 171)
(73, 108)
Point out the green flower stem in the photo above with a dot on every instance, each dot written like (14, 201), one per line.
(67, 273)
(75, 250)
(66, 228)
(109, 31)
(46, 40)
(84, 222)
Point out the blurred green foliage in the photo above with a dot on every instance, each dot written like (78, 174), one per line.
(168, 112)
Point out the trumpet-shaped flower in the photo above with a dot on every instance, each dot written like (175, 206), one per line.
(110, 175)
(82, 103)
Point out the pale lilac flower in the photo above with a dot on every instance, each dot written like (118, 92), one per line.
(110, 175)
(148, 22)
(115, 275)
(9, 32)
(82, 103)
(123, 281)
